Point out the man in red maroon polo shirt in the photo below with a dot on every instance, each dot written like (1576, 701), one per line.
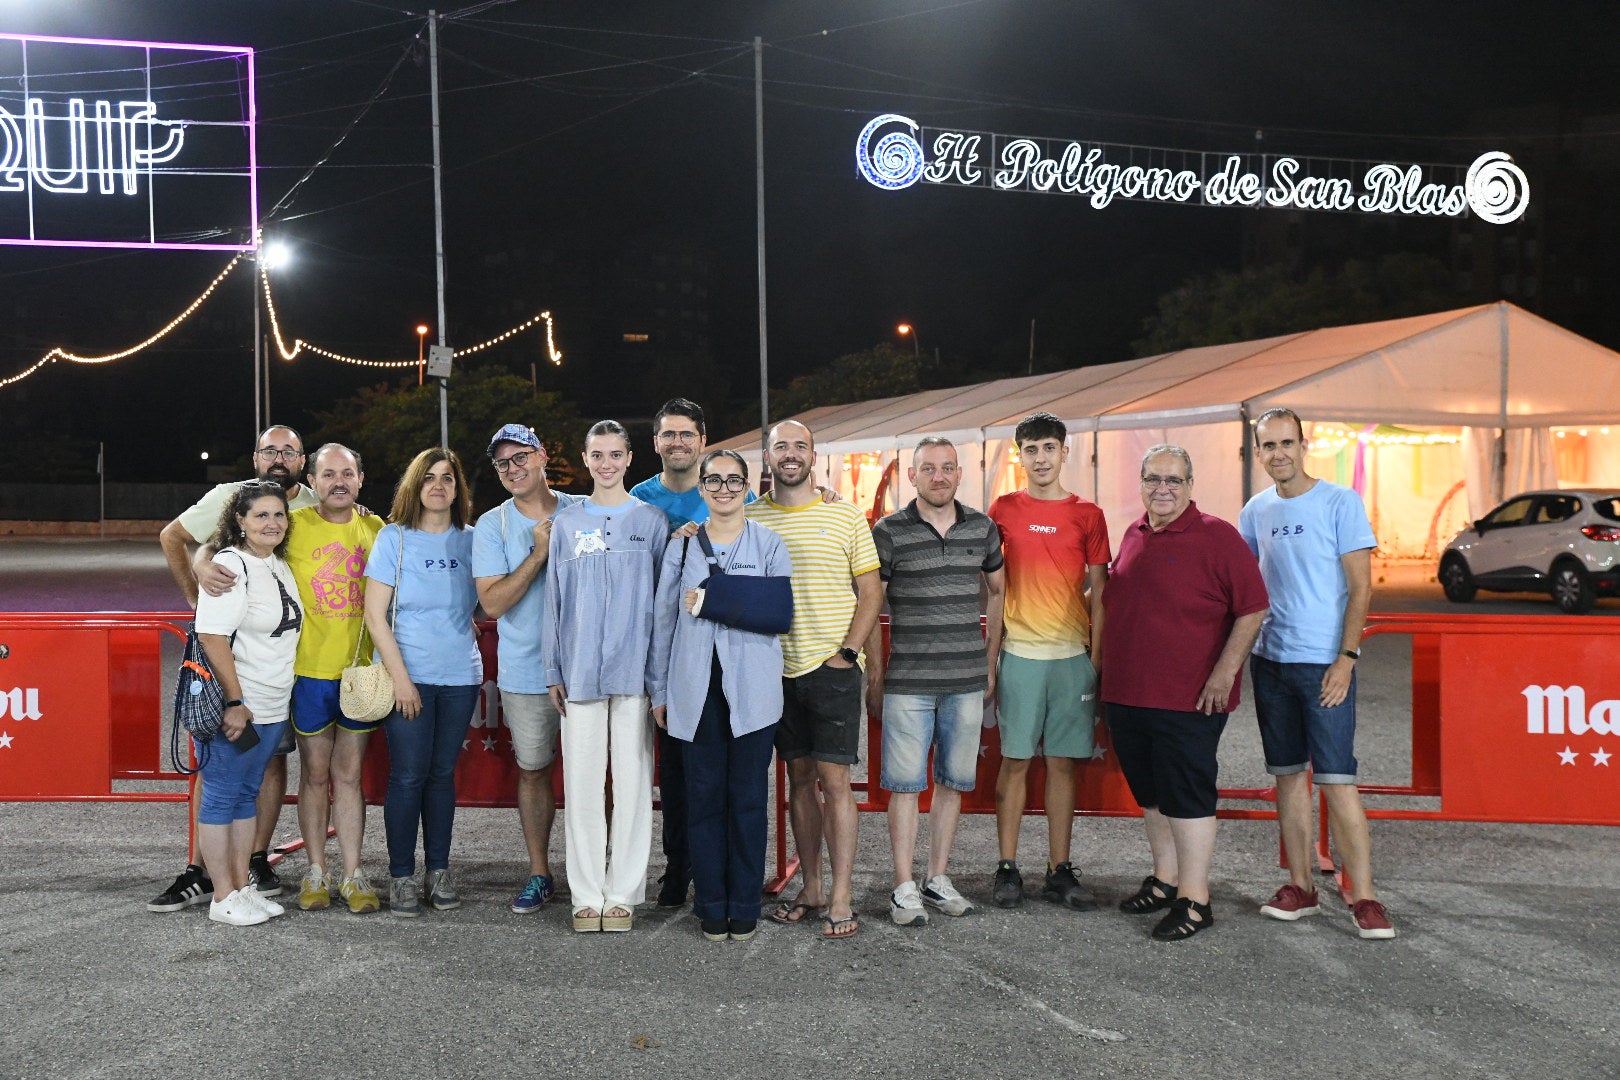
(1184, 604)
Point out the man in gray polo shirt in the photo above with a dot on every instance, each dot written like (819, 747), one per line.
(510, 546)
(934, 553)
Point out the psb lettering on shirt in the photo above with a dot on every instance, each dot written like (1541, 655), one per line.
(1288, 530)
(441, 564)
(338, 580)
(588, 541)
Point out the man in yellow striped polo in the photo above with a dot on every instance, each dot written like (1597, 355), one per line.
(836, 600)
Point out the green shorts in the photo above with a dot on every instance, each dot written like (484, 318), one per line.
(1046, 706)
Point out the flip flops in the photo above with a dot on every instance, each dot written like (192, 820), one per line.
(835, 928)
(788, 914)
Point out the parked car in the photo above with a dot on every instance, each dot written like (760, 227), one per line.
(1566, 543)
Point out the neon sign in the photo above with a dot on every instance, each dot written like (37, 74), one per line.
(1493, 188)
(139, 144)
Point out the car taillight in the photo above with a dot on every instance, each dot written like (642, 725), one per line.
(1610, 533)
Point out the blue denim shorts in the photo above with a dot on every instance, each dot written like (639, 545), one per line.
(1295, 729)
(949, 723)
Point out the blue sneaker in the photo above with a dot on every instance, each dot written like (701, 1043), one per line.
(535, 893)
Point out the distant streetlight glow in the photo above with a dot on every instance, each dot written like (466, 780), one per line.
(905, 329)
(205, 455)
(421, 345)
(274, 255)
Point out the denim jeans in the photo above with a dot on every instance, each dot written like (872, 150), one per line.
(727, 795)
(422, 755)
(672, 803)
(231, 777)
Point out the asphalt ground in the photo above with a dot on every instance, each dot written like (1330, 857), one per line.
(1507, 964)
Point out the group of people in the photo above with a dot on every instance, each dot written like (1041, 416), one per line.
(608, 635)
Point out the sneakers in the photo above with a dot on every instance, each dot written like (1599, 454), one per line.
(535, 893)
(261, 876)
(315, 891)
(403, 899)
(938, 892)
(237, 910)
(192, 886)
(440, 891)
(266, 905)
(1292, 902)
(715, 929)
(357, 892)
(906, 906)
(1008, 890)
(1063, 887)
(1372, 921)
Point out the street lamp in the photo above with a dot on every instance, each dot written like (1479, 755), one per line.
(905, 329)
(267, 257)
(421, 345)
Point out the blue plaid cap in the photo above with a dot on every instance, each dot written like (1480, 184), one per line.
(515, 433)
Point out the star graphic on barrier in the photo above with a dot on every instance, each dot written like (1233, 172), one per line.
(5, 741)
(1600, 756)
(489, 744)
(1566, 756)
(464, 744)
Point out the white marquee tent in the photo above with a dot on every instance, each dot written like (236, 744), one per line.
(1408, 411)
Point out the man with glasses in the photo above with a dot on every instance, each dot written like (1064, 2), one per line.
(278, 456)
(1315, 546)
(1057, 553)
(510, 546)
(934, 552)
(1185, 601)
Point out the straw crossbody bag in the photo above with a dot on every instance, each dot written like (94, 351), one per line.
(366, 691)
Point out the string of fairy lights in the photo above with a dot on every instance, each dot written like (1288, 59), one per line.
(287, 352)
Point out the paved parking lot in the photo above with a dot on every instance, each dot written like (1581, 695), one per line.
(1506, 965)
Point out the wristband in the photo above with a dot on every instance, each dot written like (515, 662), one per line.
(1354, 654)
(234, 702)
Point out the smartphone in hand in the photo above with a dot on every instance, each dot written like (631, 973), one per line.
(248, 739)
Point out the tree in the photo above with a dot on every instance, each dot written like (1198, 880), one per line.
(881, 371)
(1231, 306)
(390, 425)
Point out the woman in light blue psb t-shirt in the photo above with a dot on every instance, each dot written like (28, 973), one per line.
(423, 559)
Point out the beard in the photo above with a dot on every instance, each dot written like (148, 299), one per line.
(279, 474)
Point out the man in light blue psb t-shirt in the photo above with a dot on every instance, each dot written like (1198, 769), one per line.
(510, 547)
(1315, 545)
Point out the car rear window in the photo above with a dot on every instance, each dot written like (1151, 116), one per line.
(1609, 508)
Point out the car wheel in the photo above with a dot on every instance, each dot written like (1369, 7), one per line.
(1572, 589)
(1456, 579)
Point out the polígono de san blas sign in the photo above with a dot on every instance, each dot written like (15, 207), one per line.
(126, 144)
(895, 152)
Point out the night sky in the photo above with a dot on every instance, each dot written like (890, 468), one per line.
(580, 136)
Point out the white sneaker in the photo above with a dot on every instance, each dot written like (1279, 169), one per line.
(906, 906)
(938, 892)
(266, 905)
(237, 910)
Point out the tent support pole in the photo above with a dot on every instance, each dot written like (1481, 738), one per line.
(1499, 472)
(1246, 452)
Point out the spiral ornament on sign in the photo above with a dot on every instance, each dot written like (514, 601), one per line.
(1498, 190)
(895, 161)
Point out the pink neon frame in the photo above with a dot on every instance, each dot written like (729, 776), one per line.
(253, 146)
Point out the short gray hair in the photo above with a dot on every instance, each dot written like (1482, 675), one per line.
(932, 440)
(1167, 448)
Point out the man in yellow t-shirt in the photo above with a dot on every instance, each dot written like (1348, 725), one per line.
(836, 600)
(327, 548)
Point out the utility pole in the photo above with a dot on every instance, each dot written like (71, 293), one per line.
(438, 217)
(759, 224)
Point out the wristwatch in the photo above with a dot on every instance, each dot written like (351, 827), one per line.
(850, 655)
(1354, 654)
(234, 702)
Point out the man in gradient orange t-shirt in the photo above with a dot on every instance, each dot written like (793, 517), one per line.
(1056, 547)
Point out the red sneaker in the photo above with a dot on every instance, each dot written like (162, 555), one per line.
(1291, 902)
(1372, 921)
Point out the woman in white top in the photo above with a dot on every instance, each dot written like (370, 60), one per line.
(250, 634)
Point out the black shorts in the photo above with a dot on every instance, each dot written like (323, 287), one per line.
(1168, 757)
(821, 716)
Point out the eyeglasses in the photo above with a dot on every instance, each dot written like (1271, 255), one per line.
(730, 483)
(679, 436)
(1174, 483)
(519, 459)
(270, 453)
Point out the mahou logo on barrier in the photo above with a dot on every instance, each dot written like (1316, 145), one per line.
(1531, 723)
(54, 717)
